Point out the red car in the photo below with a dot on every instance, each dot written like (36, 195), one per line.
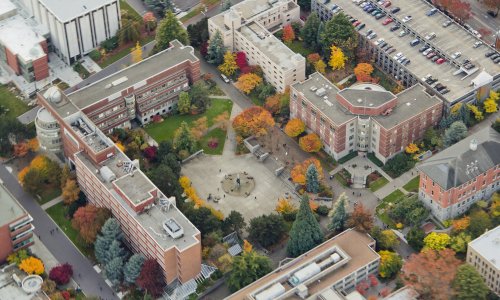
(440, 61)
(387, 21)
(356, 23)
(387, 4)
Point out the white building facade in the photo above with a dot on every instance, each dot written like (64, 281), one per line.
(78, 26)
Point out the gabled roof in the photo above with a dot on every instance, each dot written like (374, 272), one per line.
(459, 163)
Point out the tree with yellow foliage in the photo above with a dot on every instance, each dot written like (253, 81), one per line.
(32, 265)
(320, 66)
(478, 115)
(70, 191)
(310, 143)
(229, 66)
(247, 247)
(247, 82)
(21, 174)
(411, 148)
(294, 127)
(120, 146)
(490, 104)
(337, 58)
(437, 241)
(136, 53)
(285, 206)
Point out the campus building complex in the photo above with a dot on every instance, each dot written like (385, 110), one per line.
(248, 27)
(23, 44)
(465, 77)
(468, 171)
(77, 122)
(77, 26)
(16, 230)
(364, 117)
(483, 254)
(337, 265)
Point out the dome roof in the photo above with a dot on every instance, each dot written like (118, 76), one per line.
(53, 94)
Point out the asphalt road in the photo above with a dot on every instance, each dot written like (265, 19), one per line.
(481, 19)
(58, 244)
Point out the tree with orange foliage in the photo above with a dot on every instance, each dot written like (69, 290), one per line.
(247, 247)
(361, 219)
(21, 149)
(247, 82)
(88, 221)
(32, 265)
(461, 224)
(70, 191)
(288, 34)
(431, 273)
(285, 206)
(254, 120)
(221, 120)
(411, 148)
(294, 127)
(272, 103)
(313, 57)
(149, 20)
(21, 174)
(310, 143)
(363, 72)
(313, 205)
(200, 127)
(120, 146)
(299, 171)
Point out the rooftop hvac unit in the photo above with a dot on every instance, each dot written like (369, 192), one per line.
(271, 293)
(107, 174)
(302, 291)
(313, 88)
(321, 92)
(304, 274)
(173, 228)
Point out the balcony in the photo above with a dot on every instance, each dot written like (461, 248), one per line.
(20, 223)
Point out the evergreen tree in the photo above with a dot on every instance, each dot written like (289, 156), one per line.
(468, 284)
(339, 214)
(319, 34)
(110, 232)
(304, 4)
(312, 180)
(133, 268)
(114, 270)
(184, 139)
(464, 114)
(305, 233)
(101, 247)
(115, 250)
(225, 5)
(309, 32)
(455, 133)
(168, 30)
(216, 49)
(339, 32)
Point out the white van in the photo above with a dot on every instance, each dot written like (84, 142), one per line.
(226, 80)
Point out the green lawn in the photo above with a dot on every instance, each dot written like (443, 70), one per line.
(220, 135)
(393, 197)
(58, 214)
(9, 101)
(125, 6)
(381, 210)
(385, 81)
(298, 47)
(81, 70)
(166, 129)
(377, 184)
(49, 193)
(124, 52)
(412, 185)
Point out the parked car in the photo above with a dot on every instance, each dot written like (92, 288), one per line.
(423, 48)
(369, 31)
(407, 19)
(444, 91)
(382, 45)
(414, 42)
(407, 62)
(430, 36)
(435, 58)
(431, 12)
(395, 27)
(398, 55)
(387, 21)
(490, 53)
(456, 55)
(477, 44)
(224, 78)
(380, 16)
(431, 55)
(391, 50)
(372, 36)
(440, 61)
(360, 26)
(379, 41)
(494, 56)
(356, 23)
(387, 4)
(447, 23)
(492, 13)
(403, 33)
(427, 51)
(395, 10)
(375, 12)
(497, 60)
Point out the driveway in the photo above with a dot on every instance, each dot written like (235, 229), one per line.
(480, 19)
(58, 244)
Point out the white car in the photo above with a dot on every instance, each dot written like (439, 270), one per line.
(371, 36)
(407, 19)
(403, 33)
(477, 44)
(379, 41)
(456, 55)
(430, 36)
(427, 52)
(398, 55)
(224, 78)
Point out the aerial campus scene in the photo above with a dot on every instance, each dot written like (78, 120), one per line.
(249, 149)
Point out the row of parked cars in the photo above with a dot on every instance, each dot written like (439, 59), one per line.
(439, 87)
(494, 56)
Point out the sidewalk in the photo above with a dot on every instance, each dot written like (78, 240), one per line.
(52, 202)
(396, 184)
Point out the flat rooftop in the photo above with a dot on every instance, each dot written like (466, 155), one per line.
(10, 208)
(329, 105)
(448, 40)
(67, 10)
(136, 186)
(411, 102)
(132, 76)
(487, 245)
(370, 95)
(250, 8)
(6, 7)
(271, 46)
(22, 37)
(351, 242)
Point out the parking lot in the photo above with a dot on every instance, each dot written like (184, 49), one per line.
(447, 41)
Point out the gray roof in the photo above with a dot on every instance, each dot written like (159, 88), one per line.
(359, 95)
(336, 112)
(133, 75)
(66, 10)
(487, 245)
(459, 164)
(411, 102)
(10, 208)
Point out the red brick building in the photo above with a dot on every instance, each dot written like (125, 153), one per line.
(468, 171)
(151, 222)
(16, 230)
(364, 117)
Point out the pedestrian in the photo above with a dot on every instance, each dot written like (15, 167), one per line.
(255, 198)
(57, 228)
(353, 193)
(224, 195)
(220, 170)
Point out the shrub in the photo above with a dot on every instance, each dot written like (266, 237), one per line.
(61, 274)
(110, 44)
(95, 55)
(322, 210)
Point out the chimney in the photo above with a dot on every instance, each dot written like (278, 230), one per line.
(473, 144)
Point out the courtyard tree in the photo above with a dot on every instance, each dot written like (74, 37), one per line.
(168, 30)
(32, 265)
(184, 103)
(386, 239)
(159, 6)
(312, 179)
(431, 273)
(298, 172)
(491, 103)
(415, 238)
(133, 268)
(246, 268)
(309, 32)
(304, 4)
(88, 220)
(320, 66)
(216, 49)
(151, 278)
(468, 284)
(253, 121)
(363, 72)
(184, 139)
(110, 232)
(479, 222)
(455, 133)
(229, 66)
(130, 31)
(200, 127)
(390, 263)
(234, 222)
(267, 229)
(199, 96)
(61, 274)
(339, 213)
(166, 179)
(337, 58)
(294, 127)
(339, 32)
(459, 242)
(198, 33)
(136, 53)
(310, 143)
(248, 82)
(288, 34)
(70, 192)
(150, 22)
(361, 219)
(305, 233)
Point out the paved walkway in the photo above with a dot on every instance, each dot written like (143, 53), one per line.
(52, 202)
(58, 244)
